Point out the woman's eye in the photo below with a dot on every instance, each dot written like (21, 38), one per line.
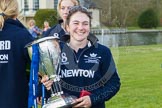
(86, 24)
(69, 8)
(62, 8)
(76, 23)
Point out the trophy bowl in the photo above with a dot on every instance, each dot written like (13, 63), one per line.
(49, 57)
(49, 52)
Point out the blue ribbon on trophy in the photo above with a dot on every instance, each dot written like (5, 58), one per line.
(33, 83)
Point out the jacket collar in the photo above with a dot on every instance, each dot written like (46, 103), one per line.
(14, 22)
(92, 38)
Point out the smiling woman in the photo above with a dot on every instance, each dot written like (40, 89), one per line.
(79, 28)
(88, 67)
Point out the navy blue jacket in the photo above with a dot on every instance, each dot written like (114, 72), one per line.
(62, 34)
(13, 60)
(93, 69)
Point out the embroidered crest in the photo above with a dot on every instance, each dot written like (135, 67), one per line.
(92, 58)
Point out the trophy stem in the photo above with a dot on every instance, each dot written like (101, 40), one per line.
(53, 91)
(56, 89)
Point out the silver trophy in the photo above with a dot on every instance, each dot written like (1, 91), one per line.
(49, 53)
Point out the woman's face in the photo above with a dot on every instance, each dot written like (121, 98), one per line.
(46, 24)
(64, 8)
(31, 23)
(79, 26)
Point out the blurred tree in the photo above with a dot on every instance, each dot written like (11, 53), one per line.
(125, 12)
(148, 19)
(42, 15)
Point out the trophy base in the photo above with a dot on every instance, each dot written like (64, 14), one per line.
(60, 102)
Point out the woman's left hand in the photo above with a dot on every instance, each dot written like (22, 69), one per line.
(83, 102)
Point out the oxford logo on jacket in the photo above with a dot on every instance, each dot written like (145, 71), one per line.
(4, 45)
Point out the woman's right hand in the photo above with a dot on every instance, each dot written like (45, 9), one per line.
(46, 82)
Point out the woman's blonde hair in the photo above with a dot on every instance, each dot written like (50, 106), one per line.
(76, 2)
(8, 9)
(31, 21)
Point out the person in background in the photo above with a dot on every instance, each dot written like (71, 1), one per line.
(87, 69)
(14, 57)
(33, 29)
(46, 27)
(63, 7)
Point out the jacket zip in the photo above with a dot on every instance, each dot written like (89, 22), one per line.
(77, 60)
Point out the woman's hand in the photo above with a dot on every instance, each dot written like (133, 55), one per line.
(46, 82)
(83, 102)
(39, 100)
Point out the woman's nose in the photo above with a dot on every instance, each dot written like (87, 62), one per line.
(80, 26)
(66, 10)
